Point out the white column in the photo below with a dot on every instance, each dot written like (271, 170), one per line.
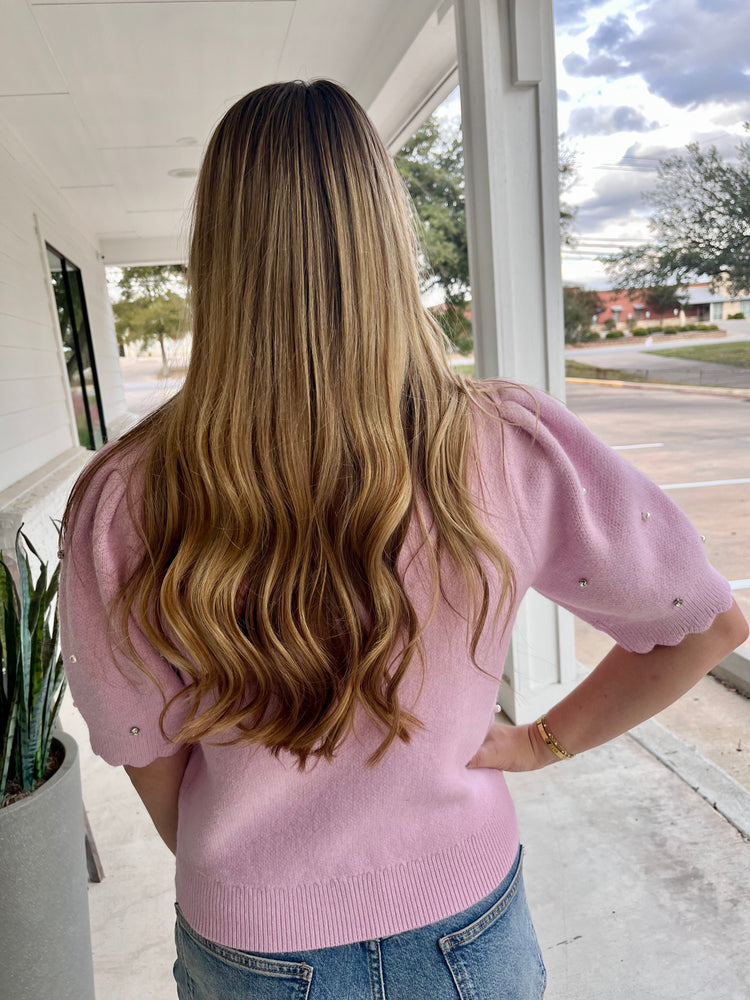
(508, 107)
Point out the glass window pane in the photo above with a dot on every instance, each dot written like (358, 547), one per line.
(75, 282)
(79, 363)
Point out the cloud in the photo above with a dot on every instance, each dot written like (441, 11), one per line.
(688, 52)
(562, 95)
(617, 197)
(645, 157)
(607, 121)
(571, 14)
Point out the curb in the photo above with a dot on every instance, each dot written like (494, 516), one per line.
(721, 791)
(696, 390)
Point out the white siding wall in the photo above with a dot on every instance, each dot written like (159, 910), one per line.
(38, 441)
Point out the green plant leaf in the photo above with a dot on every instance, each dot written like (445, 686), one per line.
(51, 717)
(34, 672)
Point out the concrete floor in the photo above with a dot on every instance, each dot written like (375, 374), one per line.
(637, 886)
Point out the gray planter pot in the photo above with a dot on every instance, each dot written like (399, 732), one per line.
(45, 938)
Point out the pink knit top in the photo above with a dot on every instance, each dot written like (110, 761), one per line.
(270, 859)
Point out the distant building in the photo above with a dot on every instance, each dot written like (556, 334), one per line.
(703, 306)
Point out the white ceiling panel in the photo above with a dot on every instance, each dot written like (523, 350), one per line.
(332, 43)
(108, 96)
(26, 63)
(424, 77)
(146, 74)
(67, 3)
(142, 176)
(101, 208)
(50, 125)
(161, 223)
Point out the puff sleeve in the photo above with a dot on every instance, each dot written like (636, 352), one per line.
(119, 703)
(603, 540)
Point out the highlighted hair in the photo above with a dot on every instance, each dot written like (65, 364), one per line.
(318, 408)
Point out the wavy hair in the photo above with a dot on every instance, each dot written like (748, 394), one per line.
(319, 414)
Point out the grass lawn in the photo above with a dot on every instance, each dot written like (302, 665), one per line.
(737, 354)
(576, 369)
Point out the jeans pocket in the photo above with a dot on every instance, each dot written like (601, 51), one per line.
(497, 955)
(207, 970)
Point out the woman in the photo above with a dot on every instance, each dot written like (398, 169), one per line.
(287, 594)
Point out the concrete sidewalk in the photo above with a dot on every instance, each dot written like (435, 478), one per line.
(637, 886)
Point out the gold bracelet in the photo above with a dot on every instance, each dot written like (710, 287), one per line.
(549, 739)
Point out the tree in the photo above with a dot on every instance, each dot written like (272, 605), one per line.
(664, 298)
(579, 309)
(432, 166)
(700, 221)
(151, 306)
(567, 176)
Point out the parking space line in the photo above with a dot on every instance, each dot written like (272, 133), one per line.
(710, 482)
(630, 447)
(739, 584)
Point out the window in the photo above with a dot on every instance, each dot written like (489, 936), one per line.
(79, 354)
(745, 307)
(716, 311)
(702, 312)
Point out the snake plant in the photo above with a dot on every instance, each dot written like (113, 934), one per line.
(31, 668)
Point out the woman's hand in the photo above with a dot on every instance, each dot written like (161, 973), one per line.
(513, 748)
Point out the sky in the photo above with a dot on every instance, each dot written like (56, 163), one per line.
(636, 82)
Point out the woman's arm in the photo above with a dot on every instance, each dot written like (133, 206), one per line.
(158, 785)
(624, 690)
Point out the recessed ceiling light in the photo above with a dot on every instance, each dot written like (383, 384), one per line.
(187, 140)
(183, 172)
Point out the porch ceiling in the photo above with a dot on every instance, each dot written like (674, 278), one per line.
(108, 96)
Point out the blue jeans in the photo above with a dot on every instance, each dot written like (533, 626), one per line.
(488, 952)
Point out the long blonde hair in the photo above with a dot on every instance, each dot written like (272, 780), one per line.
(318, 409)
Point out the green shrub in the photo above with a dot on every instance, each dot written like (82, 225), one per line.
(614, 335)
(737, 316)
(638, 331)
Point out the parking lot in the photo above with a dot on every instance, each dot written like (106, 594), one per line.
(696, 446)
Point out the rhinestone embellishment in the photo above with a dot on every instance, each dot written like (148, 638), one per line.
(703, 538)
(677, 602)
(134, 730)
(583, 582)
(584, 490)
(645, 516)
(72, 659)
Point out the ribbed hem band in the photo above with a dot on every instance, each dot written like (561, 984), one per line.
(357, 908)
